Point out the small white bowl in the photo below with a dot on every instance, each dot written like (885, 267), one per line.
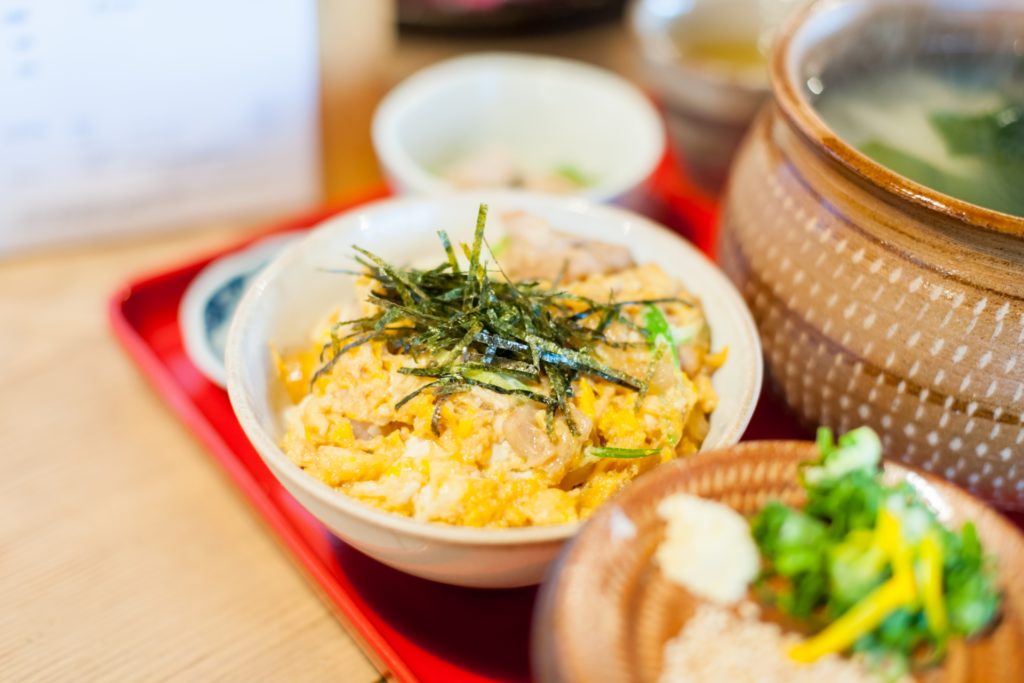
(296, 290)
(708, 109)
(546, 112)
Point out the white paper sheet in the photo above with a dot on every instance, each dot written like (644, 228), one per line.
(134, 115)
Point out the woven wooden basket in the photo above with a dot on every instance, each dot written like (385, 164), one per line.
(606, 612)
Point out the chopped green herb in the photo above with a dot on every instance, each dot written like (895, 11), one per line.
(659, 331)
(858, 450)
(624, 453)
(872, 564)
(573, 175)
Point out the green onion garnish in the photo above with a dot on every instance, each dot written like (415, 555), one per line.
(609, 452)
(659, 331)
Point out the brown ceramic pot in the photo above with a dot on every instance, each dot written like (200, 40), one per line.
(880, 301)
(607, 611)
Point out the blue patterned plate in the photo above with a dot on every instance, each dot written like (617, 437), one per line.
(210, 301)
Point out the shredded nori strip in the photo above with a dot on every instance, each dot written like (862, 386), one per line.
(466, 321)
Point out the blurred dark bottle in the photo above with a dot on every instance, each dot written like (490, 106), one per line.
(503, 15)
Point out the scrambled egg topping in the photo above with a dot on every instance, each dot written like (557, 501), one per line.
(494, 462)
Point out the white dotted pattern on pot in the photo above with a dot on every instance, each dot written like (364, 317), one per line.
(855, 332)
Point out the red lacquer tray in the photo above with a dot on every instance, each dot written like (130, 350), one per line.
(413, 630)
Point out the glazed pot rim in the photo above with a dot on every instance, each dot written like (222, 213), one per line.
(790, 49)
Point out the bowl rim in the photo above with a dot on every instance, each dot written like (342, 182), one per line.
(647, 127)
(784, 74)
(283, 467)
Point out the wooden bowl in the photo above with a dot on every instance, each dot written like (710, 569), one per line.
(606, 612)
(880, 301)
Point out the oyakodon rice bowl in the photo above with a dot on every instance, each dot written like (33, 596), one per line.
(470, 397)
(516, 393)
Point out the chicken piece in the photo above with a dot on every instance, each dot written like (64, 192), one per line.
(536, 252)
(526, 433)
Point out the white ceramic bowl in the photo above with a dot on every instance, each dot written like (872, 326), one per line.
(296, 290)
(707, 108)
(546, 112)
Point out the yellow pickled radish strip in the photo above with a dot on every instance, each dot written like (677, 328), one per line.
(866, 615)
(890, 530)
(890, 538)
(930, 554)
(858, 621)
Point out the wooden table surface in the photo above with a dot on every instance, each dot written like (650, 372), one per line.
(125, 554)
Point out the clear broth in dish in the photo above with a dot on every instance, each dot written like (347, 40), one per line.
(956, 127)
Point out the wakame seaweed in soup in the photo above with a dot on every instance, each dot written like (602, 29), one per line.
(954, 126)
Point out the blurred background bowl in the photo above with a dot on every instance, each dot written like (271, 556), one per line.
(706, 60)
(881, 301)
(298, 288)
(546, 112)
